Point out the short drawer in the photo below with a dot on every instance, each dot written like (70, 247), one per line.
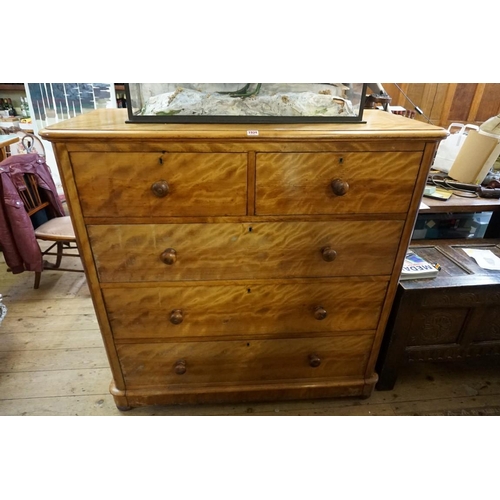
(335, 183)
(156, 184)
(160, 364)
(166, 252)
(244, 309)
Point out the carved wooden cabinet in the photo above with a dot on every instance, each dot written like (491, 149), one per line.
(454, 316)
(229, 265)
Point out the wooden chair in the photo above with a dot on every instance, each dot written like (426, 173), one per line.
(59, 230)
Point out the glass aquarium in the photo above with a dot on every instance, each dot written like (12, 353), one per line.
(245, 102)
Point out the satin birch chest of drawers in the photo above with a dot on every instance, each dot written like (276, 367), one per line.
(228, 264)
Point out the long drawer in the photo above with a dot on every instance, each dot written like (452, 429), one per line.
(165, 252)
(162, 364)
(156, 184)
(335, 183)
(244, 309)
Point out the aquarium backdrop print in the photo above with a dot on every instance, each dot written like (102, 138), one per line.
(59, 101)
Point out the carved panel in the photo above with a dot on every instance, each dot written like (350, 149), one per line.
(487, 349)
(452, 353)
(455, 298)
(490, 326)
(441, 299)
(441, 353)
(436, 326)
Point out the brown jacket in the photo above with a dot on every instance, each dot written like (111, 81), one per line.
(17, 237)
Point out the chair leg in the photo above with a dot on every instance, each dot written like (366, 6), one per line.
(38, 275)
(60, 248)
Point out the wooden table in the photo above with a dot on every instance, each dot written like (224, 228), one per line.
(6, 140)
(459, 204)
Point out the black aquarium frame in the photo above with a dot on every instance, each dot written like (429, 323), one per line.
(132, 118)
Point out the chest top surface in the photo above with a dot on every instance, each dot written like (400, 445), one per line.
(112, 123)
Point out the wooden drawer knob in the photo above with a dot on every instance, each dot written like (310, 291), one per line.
(169, 256)
(328, 254)
(160, 189)
(176, 317)
(339, 187)
(180, 367)
(320, 313)
(314, 360)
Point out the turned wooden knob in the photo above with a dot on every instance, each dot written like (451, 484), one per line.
(320, 313)
(314, 360)
(160, 189)
(176, 317)
(339, 187)
(180, 367)
(328, 254)
(169, 256)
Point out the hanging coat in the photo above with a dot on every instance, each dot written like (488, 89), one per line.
(17, 237)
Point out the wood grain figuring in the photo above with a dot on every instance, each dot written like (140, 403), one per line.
(71, 192)
(302, 144)
(247, 309)
(243, 251)
(378, 182)
(251, 183)
(243, 361)
(114, 184)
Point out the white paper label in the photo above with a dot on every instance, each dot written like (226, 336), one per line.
(252, 132)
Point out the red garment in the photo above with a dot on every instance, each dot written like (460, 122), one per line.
(17, 237)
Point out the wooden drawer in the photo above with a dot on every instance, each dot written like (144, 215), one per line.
(125, 253)
(301, 183)
(161, 364)
(244, 309)
(199, 184)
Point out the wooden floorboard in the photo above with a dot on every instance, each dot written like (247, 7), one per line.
(52, 362)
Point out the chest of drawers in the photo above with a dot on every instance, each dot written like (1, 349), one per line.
(228, 266)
